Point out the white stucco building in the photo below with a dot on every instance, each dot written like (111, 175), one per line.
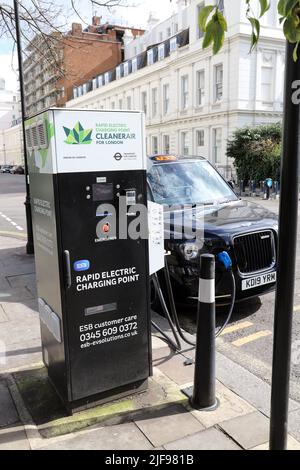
(193, 100)
(10, 111)
(11, 147)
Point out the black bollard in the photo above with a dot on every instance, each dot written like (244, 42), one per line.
(203, 394)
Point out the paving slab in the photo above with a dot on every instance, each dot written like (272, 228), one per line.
(174, 368)
(247, 385)
(294, 424)
(23, 354)
(210, 439)
(292, 444)
(8, 412)
(231, 406)
(169, 424)
(26, 310)
(120, 437)
(3, 317)
(249, 431)
(157, 343)
(14, 438)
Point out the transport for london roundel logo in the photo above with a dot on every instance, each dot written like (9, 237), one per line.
(78, 135)
(118, 156)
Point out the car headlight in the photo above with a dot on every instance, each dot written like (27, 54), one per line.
(190, 251)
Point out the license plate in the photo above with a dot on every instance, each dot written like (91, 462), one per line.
(258, 281)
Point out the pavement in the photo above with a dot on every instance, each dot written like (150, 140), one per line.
(31, 416)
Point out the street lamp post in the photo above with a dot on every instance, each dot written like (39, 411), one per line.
(29, 245)
(288, 217)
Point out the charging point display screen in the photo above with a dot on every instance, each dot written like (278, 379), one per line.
(103, 192)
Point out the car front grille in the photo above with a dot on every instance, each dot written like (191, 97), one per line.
(255, 251)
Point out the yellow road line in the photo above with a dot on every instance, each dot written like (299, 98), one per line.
(250, 338)
(297, 308)
(13, 234)
(239, 326)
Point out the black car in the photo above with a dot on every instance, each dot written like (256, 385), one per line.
(17, 170)
(191, 187)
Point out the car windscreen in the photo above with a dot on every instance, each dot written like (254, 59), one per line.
(195, 182)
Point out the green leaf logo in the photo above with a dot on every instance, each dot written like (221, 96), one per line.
(78, 135)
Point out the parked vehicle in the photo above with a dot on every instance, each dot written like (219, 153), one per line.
(6, 169)
(17, 170)
(247, 231)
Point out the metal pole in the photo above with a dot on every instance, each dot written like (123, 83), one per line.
(29, 245)
(288, 217)
(203, 394)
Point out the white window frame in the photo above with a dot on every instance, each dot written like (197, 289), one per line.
(216, 149)
(125, 69)
(118, 72)
(218, 83)
(200, 33)
(154, 102)
(154, 147)
(120, 103)
(166, 98)
(200, 138)
(269, 84)
(184, 82)
(184, 147)
(128, 103)
(200, 77)
(166, 144)
(173, 44)
(144, 102)
(161, 52)
(106, 78)
(150, 57)
(134, 64)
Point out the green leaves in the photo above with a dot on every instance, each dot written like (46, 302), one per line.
(264, 7)
(78, 135)
(215, 28)
(290, 17)
(213, 23)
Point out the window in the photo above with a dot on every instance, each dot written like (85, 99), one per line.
(118, 72)
(166, 98)
(184, 143)
(150, 60)
(218, 93)
(176, 28)
(100, 80)
(134, 65)
(217, 145)
(168, 32)
(173, 44)
(221, 6)
(125, 69)
(128, 99)
(95, 84)
(154, 144)
(200, 138)
(144, 102)
(161, 52)
(154, 102)
(113, 105)
(120, 103)
(266, 83)
(199, 31)
(106, 78)
(166, 144)
(200, 87)
(184, 92)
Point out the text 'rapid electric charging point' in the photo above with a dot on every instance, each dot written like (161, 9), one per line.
(87, 174)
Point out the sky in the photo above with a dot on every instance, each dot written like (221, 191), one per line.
(136, 15)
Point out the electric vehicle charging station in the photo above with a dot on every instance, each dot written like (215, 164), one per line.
(93, 283)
